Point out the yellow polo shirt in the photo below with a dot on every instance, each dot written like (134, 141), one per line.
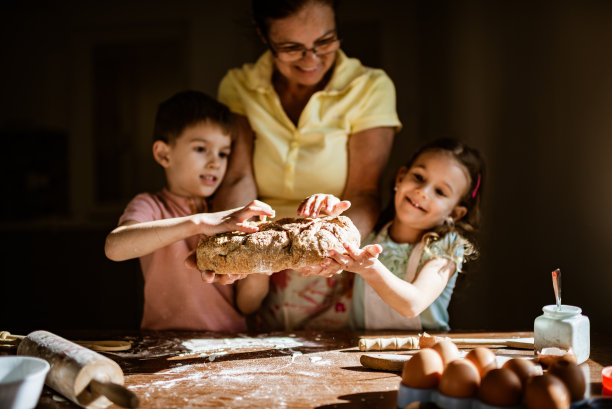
(292, 162)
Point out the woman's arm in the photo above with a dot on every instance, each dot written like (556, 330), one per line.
(409, 299)
(238, 186)
(368, 154)
(133, 239)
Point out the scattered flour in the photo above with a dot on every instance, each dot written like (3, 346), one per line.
(209, 345)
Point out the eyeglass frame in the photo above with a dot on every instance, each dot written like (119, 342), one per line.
(303, 50)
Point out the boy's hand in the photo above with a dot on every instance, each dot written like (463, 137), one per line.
(234, 219)
(313, 205)
(356, 260)
(210, 276)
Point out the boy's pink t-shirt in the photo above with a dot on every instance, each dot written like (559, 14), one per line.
(175, 297)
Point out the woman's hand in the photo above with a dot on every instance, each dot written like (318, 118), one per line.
(313, 205)
(234, 219)
(356, 260)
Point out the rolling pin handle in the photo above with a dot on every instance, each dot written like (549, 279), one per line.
(116, 393)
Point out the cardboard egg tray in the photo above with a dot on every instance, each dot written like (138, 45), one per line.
(407, 395)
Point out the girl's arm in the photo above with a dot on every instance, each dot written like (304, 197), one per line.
(409, 299)
(238, 186)
(133, 239)
(251, 291)
(368, 154)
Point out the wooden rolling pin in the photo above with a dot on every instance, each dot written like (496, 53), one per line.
(406, 343)
(85, 377)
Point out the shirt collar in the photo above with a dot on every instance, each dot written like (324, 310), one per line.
(186, 203)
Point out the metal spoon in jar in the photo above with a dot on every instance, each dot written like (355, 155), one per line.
(556, 279)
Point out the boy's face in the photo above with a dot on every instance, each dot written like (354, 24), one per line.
(197, 160)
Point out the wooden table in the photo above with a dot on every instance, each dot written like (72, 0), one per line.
(278, 370)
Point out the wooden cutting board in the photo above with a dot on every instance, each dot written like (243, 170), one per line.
(385, 362)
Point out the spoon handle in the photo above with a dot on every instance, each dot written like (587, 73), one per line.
(556, 279)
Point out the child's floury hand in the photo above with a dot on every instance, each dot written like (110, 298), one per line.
(356, 260)
(210, 276)
(315, 204)
(234, 219)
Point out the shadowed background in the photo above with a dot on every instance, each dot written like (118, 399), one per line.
(527, 83)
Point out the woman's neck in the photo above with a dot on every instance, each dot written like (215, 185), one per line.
(294, 96)
(400, 233)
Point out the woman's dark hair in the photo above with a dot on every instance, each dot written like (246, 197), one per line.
(472, 161)
(266, 10)
(188, 108)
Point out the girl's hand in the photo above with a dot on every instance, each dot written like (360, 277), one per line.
(315, 204)
(327, 268)
(234, 219)
(356, 260)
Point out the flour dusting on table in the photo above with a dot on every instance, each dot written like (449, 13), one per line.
(195, 346)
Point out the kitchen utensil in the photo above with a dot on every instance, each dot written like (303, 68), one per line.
(556, 279)
(81, 375)
(400, 343)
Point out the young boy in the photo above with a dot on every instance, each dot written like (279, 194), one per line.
(192, 142)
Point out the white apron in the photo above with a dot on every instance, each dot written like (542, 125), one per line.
(380, 315)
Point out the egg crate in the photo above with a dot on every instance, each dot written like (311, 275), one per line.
(407, 395)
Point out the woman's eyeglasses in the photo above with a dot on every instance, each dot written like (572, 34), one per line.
(294, 52)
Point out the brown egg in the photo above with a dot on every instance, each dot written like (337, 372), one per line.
(483, 358)
(501, 387)
(571, 375)
(549, 355)
(423, 370)
(447, 350)
(546, 392)
(524, 368)
(460, 379)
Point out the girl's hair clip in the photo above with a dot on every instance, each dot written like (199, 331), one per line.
(477, 186)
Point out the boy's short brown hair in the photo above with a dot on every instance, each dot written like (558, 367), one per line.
(188, 108)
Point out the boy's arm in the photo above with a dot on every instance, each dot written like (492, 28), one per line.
(238, 186)
(133, 239)
(251, 291)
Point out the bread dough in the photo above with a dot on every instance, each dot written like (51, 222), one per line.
(278, 245)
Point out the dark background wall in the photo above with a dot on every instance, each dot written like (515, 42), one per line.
(528, 83)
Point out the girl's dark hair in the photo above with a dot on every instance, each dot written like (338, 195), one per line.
(472, 161)
(266, 10)
(188, 108)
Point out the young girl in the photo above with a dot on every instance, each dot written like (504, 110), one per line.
(422, 243)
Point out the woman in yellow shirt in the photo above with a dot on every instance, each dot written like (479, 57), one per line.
(312, 121)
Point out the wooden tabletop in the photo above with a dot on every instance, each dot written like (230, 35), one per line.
(277, 370)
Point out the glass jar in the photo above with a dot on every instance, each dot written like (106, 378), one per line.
(564, 327)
